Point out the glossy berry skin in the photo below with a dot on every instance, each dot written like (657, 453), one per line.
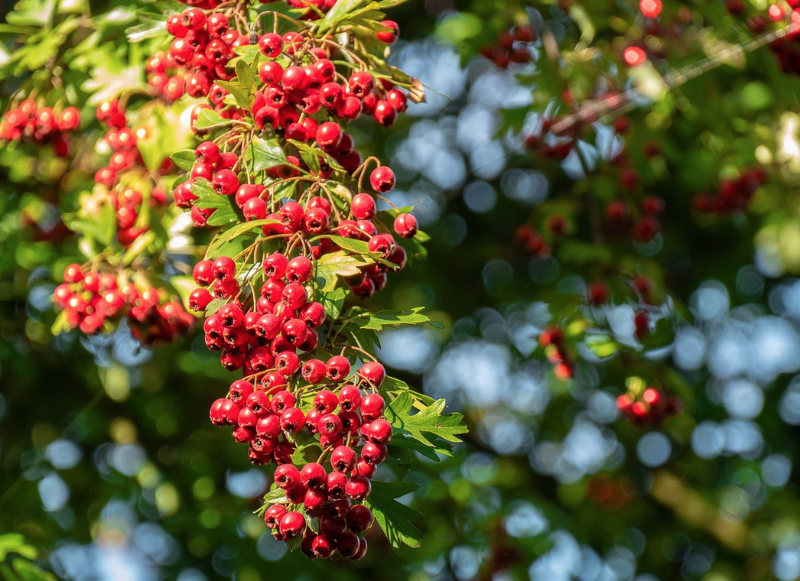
(274, 515)
(299, 269)
(405, 225)
(335, 484)
(338, 368)
(373, 454)
(224, 268)
(313, 371)
(292, 420)
(388, 36)
(313, 475)
(363, 207)
(373, 372)
(343, 459)
(292, 525)
(287, 476)
(382, 179)
(358, 487)
(359, 519)
(379, 431)
(361, 84)
(350, 398)
(372, 407)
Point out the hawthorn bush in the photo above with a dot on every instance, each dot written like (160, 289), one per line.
(349, 230)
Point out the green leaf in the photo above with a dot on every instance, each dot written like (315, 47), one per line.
(100, 228)
(15, 543)
(224, 237)
(393, 385)
(184, 159)
(378, 321)
(264, 154)
(241, 94)
(333, 301)
(276, 496)
(209, 118)
(335, 264)
(59, 326)
(338, 13)
(184, 284)
(404, 442)
(394, 518)
(28, 571)
(357, 246)
(602, 345)
(138, 247)
(248, 52)
(164, 137)
(227, 211)
(303, 455)
(429, 423)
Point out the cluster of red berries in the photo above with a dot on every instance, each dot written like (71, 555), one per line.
(553, 341)
(269, 418)
(650, 408)
(787, 48)
(732, 195)
(127, 202)
(510, 47)
(40, 125)
(92, 299)
(642, 229)
(264, 313)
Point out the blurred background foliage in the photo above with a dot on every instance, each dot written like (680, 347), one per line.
(111, 470)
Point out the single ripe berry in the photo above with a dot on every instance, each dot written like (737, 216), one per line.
(382, 179)
(292, 525)
(313, 475)
(313, 371)
(325, 401)
(338, 368)
(361, 84)
(373, 372)
(343, 459)
(287, 476)
(363, 207)
(379, 431)
(329, 135)
(274, 514)
(372, 407)
(271, 45)
(359, 519)
(358, 487)
(405, 225)
(388, 36)
(292, 420)
(224, 268)
(350, 398)
(299, 269)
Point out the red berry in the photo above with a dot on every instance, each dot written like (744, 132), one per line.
(382, 179)
(299, 269)
(343, 459)
(313, 475)
(363, 207)
(361, 84)
(358, 487)
(372, 407)
(359, 519)
(292, 525)
(338, 368)
(388, 36)
(405, 225)
(292, 420)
